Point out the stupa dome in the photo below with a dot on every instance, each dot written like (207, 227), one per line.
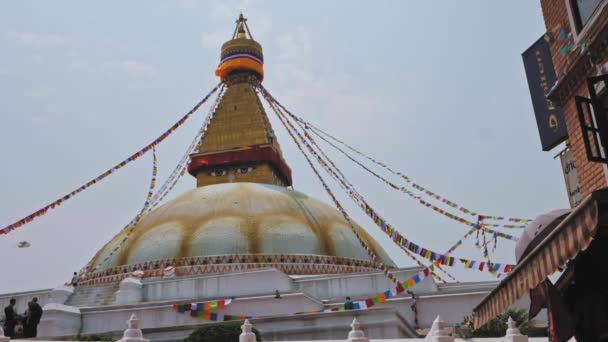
(240, 223)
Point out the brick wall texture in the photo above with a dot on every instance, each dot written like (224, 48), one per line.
(591, 175)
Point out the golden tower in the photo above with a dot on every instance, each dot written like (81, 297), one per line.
(240, 145)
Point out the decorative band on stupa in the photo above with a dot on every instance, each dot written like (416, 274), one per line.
(240, 62)
(241, 53)
(241, 155)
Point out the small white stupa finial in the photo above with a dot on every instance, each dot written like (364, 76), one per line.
(438, 332)
(356, 334)
(439, 327)
(513, 333)
(247, 334)
(133, 322)
(133, 333)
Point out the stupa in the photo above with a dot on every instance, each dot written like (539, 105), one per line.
(242, 215)
(244, 236)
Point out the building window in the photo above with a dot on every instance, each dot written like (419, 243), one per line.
(593, 119)
(582, 11)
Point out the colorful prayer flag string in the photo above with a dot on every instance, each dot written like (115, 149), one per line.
(369, 251)
(181, 167)
(176, 174)
(107, 173)
(403, 189)
(339, 176)
(129, 227)
(213, 310)
(401, 174)
(399, 239)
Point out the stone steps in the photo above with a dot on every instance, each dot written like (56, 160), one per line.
(87, 296)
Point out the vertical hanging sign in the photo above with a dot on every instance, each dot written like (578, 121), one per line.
(572, 185)
(541, 77)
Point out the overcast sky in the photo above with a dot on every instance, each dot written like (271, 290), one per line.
(434, 89)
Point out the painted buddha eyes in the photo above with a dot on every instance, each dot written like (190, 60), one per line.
(219, 172)
(245, 169)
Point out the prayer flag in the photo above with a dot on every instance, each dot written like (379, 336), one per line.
(562, 35)
(381, 298)
(399, 288)
(369, 303)
(410, 283)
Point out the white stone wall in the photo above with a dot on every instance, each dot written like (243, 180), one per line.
(22, 299)
(356, 285)
(95, 320)
(218, 286)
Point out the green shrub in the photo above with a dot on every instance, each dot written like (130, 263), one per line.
(496, 327)
(220, 332)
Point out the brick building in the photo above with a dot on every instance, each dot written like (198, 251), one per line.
(587, 56)
(577, 40)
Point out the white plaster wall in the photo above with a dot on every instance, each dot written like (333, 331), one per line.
(377, 323)
(218, 285)
(160, 315)
(384, 323)
(359, 285)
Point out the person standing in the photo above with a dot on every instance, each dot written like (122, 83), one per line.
(34, 313)
(10, 319)
(348, 304)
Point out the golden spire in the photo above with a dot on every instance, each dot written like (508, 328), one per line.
(240, 144)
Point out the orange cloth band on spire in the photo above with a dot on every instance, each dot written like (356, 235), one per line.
(241, 63)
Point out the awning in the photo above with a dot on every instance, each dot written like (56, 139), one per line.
(574, 234)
